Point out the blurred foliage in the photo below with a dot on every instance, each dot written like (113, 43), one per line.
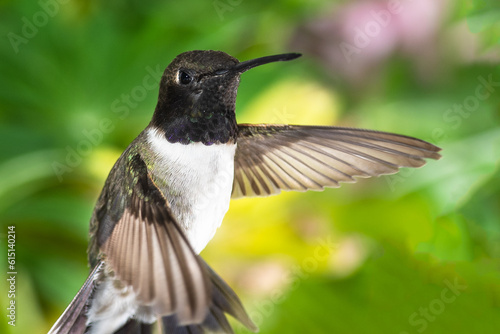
(484, 16)
(374, 257)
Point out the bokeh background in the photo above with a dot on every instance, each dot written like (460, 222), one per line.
(416, 252)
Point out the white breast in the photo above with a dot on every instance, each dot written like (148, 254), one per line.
(198, 184)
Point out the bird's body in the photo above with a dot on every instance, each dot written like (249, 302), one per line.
(196, 181)
(169, 191)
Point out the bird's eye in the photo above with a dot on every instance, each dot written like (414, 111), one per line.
(184, 78)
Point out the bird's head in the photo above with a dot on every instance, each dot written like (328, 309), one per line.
(198, 95)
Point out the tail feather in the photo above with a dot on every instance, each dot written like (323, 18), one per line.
(215, 322)
(74, 318)
(224, 300)
(135, 327)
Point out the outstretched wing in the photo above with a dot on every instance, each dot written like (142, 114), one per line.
(144, 245)
(271, 158)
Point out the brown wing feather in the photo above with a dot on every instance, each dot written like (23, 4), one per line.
(271, 158)
(148, 251)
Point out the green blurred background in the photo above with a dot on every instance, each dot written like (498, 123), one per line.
(416, 252)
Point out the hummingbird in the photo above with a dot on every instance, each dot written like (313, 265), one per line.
(168, 192)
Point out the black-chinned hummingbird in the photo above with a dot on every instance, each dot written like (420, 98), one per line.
(154, 216)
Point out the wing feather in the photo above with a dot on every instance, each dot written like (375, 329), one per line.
(148, 251)
(271, 158)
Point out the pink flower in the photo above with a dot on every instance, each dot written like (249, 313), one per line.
(356, 38)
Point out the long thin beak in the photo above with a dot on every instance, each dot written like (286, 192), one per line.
(246, 65)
